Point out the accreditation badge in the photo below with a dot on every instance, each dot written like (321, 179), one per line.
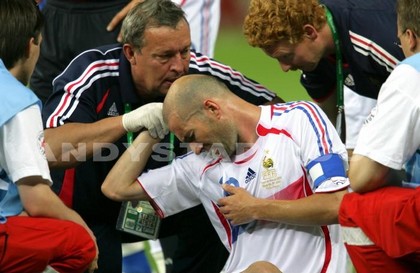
(140, 220)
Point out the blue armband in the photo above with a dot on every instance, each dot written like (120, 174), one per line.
(325, 167)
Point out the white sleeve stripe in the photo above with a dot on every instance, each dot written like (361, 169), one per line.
(74, 89)
(264, 94)
(85, 52)
(368, 47)
(226, 69)
(202, 63)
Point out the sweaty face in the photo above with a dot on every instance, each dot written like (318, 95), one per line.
(163, 59)
(304, 55)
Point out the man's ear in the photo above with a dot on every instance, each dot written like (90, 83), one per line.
(212, 108)
(310, 32)
(412, 40)
(129, 53)
(28, 50)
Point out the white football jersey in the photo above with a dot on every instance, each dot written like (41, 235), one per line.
(290, 136)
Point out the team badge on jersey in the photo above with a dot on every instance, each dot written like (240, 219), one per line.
(269, 176)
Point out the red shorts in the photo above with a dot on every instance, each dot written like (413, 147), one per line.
(390, 218)
(29, 244)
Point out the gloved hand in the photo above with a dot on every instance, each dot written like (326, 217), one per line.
(148, 116)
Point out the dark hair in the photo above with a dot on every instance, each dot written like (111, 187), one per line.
(20, 21)
(150, 13)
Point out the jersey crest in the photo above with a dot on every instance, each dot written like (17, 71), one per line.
(269, 179)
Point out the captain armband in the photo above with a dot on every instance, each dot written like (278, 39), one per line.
(328, 168)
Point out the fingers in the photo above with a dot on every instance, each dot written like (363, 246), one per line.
(229, 188)
(153, 132)
(159, 130)
(116, 20)
(120, 16)
(163, 129)
(148, 116)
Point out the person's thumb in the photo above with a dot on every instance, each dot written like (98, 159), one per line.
(228, 188)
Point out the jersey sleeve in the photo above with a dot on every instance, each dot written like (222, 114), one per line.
(75, 91)
(238, 83)
(322, 152)
(22, 141)
(173, 188)
(390, 133)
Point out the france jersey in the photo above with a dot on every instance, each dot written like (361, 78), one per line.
(291, 135)
(98, 84)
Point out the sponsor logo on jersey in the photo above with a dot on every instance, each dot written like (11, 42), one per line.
(113, 111)
(250, 175)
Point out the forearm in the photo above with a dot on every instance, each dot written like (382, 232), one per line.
(72, 143)
(64, 213)
(55, 208)
(121, 182)
(317, 209)
(40, 201)
(366, 174)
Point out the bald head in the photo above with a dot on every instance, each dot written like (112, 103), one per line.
(262, 267)
(201, 109)
(186, 95)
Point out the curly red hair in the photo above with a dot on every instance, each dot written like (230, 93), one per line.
(271, 21)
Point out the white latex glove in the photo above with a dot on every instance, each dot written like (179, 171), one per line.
(148, 116)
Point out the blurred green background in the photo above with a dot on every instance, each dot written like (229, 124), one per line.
(232, 49)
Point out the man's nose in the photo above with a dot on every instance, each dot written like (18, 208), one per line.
(285, 67)
(178, 63)
(196, 147)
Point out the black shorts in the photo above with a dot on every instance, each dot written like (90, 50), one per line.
(71, 27)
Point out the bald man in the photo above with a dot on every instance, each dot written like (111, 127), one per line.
(262, 267)
(264, 155)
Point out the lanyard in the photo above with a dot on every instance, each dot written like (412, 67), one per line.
(339, 73)
(127, 108)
